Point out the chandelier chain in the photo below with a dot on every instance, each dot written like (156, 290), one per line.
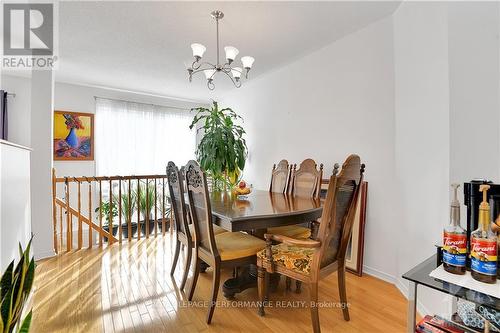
(217, 28)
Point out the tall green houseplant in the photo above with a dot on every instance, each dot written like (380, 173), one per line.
(222, 150)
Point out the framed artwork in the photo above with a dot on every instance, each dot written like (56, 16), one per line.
(355, 247)
(73, 136)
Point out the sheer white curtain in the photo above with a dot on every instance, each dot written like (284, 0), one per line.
(135, 138)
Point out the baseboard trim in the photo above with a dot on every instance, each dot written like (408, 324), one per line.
(403, 289)
(44, 255)
(379, 274)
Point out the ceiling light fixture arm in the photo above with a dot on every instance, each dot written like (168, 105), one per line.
(237, 82)
(199, 68)
(197, 65)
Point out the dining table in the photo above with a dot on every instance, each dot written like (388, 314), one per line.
(254, 213)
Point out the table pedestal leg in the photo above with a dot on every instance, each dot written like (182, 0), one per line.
(412, 307)
(247, 278)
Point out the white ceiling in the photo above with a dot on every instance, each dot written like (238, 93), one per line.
(142, 46)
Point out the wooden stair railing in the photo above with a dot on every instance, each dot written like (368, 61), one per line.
(64, 215)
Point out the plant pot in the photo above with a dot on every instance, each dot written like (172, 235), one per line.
(125, 229)
(114, 232)
(151, 226)
(167, 224)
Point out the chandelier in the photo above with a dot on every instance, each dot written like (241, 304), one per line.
(209, 69)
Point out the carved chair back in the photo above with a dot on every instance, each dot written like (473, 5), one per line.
(306, 180)
(338, 213)
(200, 208)
(176, 190)
(280, 177)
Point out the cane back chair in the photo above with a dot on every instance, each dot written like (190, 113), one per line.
(309, 260)
(229, 249)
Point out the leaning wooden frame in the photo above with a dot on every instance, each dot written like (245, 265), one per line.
(355, 247)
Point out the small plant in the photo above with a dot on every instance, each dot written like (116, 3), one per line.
(168, 206)
(146, 200)
(15, 287)
(105, 208)
(127, 206)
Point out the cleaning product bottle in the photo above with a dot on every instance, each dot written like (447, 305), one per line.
(483, 247)
(454, 239)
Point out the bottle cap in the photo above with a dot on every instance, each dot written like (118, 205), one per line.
(484, 204)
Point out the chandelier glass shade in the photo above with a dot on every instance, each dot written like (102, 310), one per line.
(210, 69)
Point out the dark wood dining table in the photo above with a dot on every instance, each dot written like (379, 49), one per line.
(254, 213)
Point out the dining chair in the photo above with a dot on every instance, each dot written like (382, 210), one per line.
(310, 260)
(182, 234)
(280, 177)
(184, 231)
(226, 250)
(304, 182)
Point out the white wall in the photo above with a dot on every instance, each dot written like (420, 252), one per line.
(15, 201)
(474, 83)
(42, 106)
(422, 134)
(333, 102)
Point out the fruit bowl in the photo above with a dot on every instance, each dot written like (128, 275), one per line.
(242, 190)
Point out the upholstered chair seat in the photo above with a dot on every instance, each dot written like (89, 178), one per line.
(294, 258)
(235, 245)
(292, 231)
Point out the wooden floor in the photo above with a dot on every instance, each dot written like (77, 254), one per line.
(128, 288)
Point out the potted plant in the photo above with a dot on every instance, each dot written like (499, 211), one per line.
(222, 150)
(167, 213)
(127, 210)
(105, 209)
(15, 287)
(146, 205)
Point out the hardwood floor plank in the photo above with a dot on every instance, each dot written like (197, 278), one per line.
(128, 288)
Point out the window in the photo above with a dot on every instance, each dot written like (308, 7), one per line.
(135, 138)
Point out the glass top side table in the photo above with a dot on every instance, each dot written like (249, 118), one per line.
(419, 275)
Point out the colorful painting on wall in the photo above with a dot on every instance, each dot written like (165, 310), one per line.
(73, 136)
